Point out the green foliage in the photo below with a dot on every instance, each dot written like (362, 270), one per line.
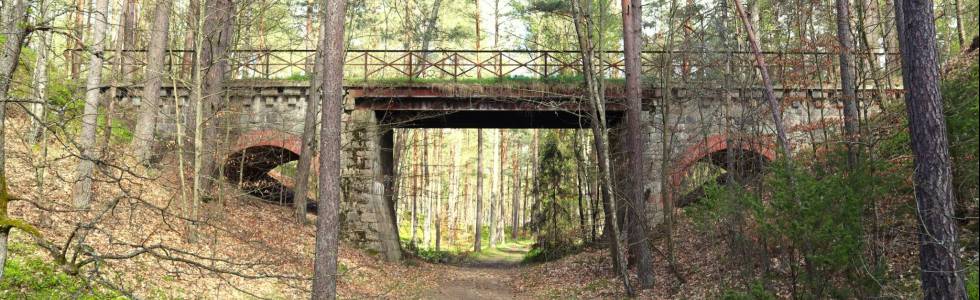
(973, 284)
(962, 109)
(298, 77)
(541, 253)
(435, 256)
(552, 219)
(812, 218)
(755, 292)
(119, 130)
(820, 214)
(28, 276)
(61, 96)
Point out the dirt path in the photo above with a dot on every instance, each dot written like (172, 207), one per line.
(486, 275)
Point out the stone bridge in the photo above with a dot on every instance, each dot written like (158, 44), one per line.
(262, 113)
(264, 120)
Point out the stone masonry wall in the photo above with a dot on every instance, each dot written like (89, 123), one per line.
(365, 216)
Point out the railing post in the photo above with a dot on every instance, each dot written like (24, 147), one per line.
(500, 67)
(267, 62)
(455, 66)
(365, 66)
(411, 71)
(545, 65)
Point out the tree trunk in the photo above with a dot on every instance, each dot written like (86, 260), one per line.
(143, 138)
(770, 94)
(847, 80)
(129, 21)
(78, 37)
(216, 53)
(535, 183)
(195, 125)
(190, 38)
(960, 30)
(597, 114)
(636, 139)
(941, 272)
(579, 181)
(308, 146)
(427, 35)
(38, 110)
(476, 24)
(82, 189)
(494, 181)
(438, 192)
(478, 233)
(328, 226)
(16, 14)
(426, 191)
(516, 203)
(210, 50)
(500, 182)
(415, 187)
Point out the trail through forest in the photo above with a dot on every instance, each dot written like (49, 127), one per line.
(486, 275)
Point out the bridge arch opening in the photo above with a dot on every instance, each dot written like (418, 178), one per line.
(263, 171)
(709, 162)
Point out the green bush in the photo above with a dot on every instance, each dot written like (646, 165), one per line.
(811, 220)
(755, 292)
(962, 109)
(435, 256)
(542, 253)
(973, 284)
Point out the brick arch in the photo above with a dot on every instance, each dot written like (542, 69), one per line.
(714, 144)
(274, 138)
(256, 153)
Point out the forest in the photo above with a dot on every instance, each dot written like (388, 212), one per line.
(489, 149)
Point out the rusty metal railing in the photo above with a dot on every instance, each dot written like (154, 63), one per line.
(790, 68)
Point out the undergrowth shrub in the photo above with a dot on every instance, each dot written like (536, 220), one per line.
(804, 231)
(962, 109)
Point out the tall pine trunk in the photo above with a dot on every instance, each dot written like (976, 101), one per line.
(328, 225)
(636, 142)
(516, 202)
(478, 232)
(941, 272)
(146, 121)
(847, 80)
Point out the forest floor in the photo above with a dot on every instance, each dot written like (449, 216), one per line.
(489, 274)
(256, 249)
